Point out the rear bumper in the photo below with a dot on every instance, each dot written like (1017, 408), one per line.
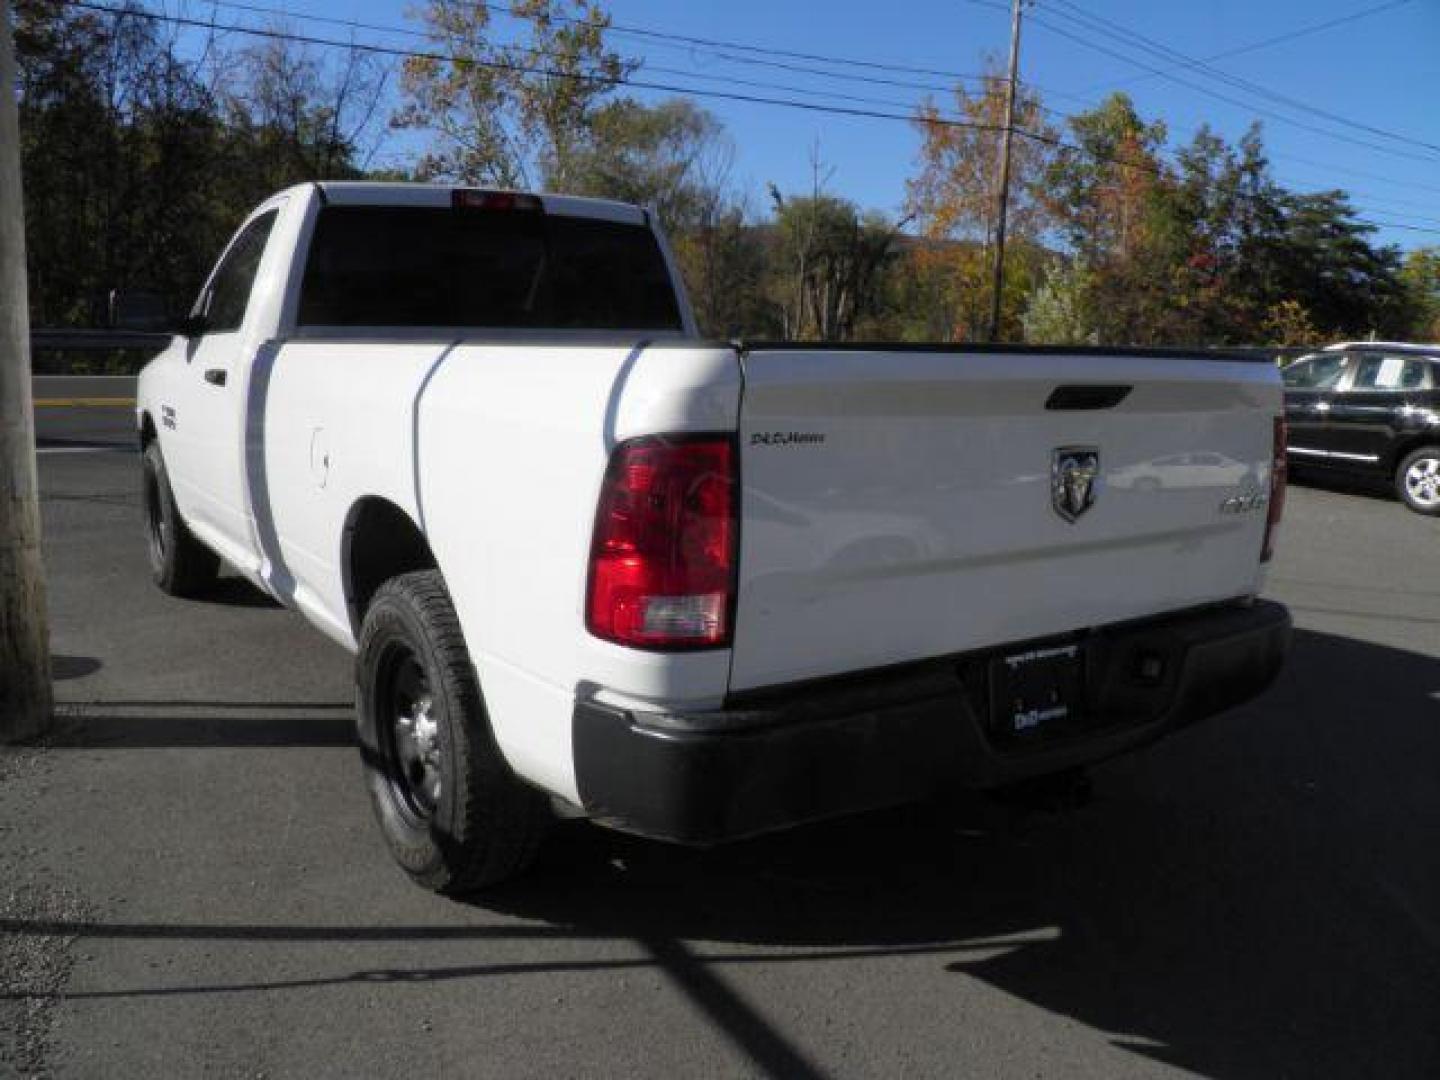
(796, 754)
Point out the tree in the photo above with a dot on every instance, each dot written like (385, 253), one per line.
(1098, 188)
(1421, 276)
(120, 143)
(830, 259)
(1109, 192)
(1058, 312)
(140, 163)
(1319, 253)
(1288, 323)
(508, 114)
(292, 116)
(673, 157)
(724, 261)
(952, 199)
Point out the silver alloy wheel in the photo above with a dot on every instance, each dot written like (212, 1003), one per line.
(1422, 482)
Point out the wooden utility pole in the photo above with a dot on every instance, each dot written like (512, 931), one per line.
(1002, 195)
(25, 696)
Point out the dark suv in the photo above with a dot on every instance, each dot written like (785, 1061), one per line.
(1372, 410)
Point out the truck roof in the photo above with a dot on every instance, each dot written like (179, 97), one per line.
(369, 193)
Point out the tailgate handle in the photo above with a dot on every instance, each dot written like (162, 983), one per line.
(1068, 398)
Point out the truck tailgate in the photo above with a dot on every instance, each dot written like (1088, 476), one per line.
(898, 504)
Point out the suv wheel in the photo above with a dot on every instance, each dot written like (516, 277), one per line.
(1417, 480)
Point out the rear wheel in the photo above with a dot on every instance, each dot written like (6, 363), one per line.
(1417, 480)
(180, 564)
(455, 817)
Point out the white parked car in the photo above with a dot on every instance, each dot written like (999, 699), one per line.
(590, 564)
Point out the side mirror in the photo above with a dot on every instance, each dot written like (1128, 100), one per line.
(143, 311)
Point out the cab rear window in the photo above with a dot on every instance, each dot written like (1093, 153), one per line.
(463, 267)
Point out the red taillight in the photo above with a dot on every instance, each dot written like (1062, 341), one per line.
(1276, 508)
(662, 561)
(476, 199)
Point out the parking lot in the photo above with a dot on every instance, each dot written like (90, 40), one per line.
(191, 884)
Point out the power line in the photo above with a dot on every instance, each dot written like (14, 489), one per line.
(929, 87)
(1380, 178)
(1096, 23)
(500, 65)
(1247, 106)
(408, 31)
(639, 31)
(1291, 35)
(386, 50)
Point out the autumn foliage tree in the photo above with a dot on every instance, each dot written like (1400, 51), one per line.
(952, 198)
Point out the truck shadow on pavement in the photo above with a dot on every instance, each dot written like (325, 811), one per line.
(1255, 897)
(150, 725)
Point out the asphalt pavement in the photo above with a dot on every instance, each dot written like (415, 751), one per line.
(191, 884)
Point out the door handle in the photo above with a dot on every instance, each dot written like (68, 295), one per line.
(216, 376)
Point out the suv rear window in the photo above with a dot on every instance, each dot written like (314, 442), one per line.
(1320, 371)
(436, 266)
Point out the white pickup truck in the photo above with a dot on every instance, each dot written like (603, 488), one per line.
(590, 563)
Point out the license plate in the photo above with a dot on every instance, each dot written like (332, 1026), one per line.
(1036, 692)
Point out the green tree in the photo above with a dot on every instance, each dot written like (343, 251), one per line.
(673, 157)
(829, 260)
(1319, 253)
(139, 163)
(119, 141)
(1058, 312)
(1421, 276)
(508, 114)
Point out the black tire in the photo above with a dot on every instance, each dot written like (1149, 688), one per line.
(1417, 480)
(455, 817)
(180, 564)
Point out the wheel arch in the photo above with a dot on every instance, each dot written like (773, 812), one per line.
(148, 434)
(1402, 448)
(379, 541)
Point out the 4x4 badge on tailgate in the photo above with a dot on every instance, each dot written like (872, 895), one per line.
(1074, 471)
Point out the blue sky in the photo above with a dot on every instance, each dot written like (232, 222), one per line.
(1382, 69)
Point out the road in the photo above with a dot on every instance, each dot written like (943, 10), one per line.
(192, 885)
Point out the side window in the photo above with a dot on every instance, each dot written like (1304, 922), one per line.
(1387, 371)
(229, 291)
(1319, 372)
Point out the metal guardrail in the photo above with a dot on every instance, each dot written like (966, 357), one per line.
(97, 340)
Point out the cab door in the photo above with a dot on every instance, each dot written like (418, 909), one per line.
(213, 414)
(1310, 394)
(1377, 404)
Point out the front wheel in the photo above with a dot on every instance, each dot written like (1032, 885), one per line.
(454, 816)
(180, 564)
(1417, 480)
